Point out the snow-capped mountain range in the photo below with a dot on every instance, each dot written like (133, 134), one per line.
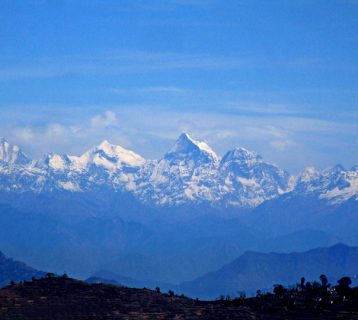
(189, 173)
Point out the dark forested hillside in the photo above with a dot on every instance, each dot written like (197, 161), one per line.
(58, 298)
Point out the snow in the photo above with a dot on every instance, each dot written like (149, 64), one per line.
(11, 153)
(189, 193)
(108, 156)
(203, 146)
(309, 174)
(185, 143)
(57, 162)
(121, 154)
(242, 155)
(247, 182)
(69, 186)
(337, 195)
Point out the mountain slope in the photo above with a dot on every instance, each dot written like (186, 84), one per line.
(185, 174)
(12, 154)
(335, 185)
(11, 270)
(246, 180)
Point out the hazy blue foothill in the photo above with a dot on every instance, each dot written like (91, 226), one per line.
(258, 271)
(15, 271)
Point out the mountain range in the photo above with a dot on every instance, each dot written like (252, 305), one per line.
(169, 220)
(190, 173)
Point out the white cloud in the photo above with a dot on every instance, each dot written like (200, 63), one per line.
(277, 138)
(292, 142)
(150, 90)
(56, 130)
(68, 138)
(281, 145)
(24, 134)
(107, 119)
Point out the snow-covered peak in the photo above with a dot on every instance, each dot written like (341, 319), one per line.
(56, 162)
(309, 174)
(107, 147)
(334, 171)
(185, 145)
(339, 185)
(247, 180)
(121, 154)
(11, 153)
(241, 155)
(334, 184)
(108, 156)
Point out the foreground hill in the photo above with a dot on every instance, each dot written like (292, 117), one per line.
(11, 270)
(64, 298)
(108, 277)
(253, 271)
(56, 298)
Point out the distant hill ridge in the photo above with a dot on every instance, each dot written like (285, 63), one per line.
(253, 271)
(11, 270)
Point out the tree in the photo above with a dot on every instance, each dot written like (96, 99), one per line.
(324, 280)
(242, 295)
(345, 282)
(343, 288)
(279, 290)
(316, 285)
(308, 285)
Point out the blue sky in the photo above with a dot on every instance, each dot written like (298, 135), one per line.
(277, 77)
